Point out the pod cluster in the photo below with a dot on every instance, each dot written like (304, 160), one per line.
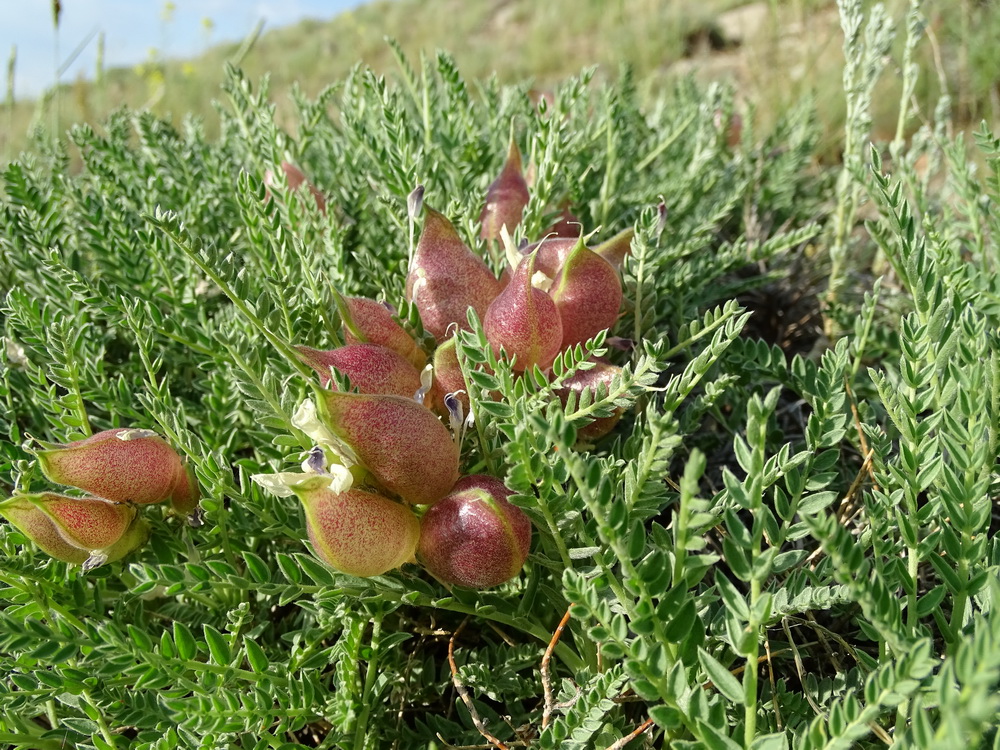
(383, 487)
(122, 469)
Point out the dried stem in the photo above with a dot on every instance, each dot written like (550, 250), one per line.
(800, 670)
(464, 693)
(770, 677)
(863, 472)
(546, 678)
(644, 727)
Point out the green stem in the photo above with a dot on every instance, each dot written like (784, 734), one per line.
(243, 674)
(702, 333)
(426, 105)
(371, 673)
(624, 559)
(102, 725)
(167, 277)
(961, 600)
(608, 184)
(755, 492)
(571, 660)
(484, 449)
(624, 386)
(43, 601)
(913, 570)
(862, 342)
(667, 143)
(640, 274)
(272, 399)
(994, 421)
(313, 280)
(550, 521)
(163, 393)
(750, 673)
(79, 406)
(50, 713)
(192, 345)
(688, 490)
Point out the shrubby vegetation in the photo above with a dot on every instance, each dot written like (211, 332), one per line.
(787, 540)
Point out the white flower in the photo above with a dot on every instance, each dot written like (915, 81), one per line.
(307, 419)
(283, 484)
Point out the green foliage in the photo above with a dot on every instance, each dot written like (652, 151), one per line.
(770, 550)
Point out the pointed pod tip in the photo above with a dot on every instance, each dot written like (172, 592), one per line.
(513, 157)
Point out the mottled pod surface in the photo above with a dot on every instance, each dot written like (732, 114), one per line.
(359, 533)
(474, 537)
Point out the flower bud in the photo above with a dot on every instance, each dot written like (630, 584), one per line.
(506, 197)
(446, 278)
(474, 537)
(588, 293)
(69, 528)
(370, 368)
(404, 446)
(357, 532)
(415, 202)
(369, 322)
(602, 373)
(120, 465)
(524, 321)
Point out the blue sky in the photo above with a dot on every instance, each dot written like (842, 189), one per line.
(131, 28)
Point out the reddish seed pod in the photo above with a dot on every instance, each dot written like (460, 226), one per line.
(87, 523)
(369, 322)
(120, 465)
(566, 225)
(39, 528)
(615, 249)
(524, 321)
(370, 368)
(73, 529)
(357, 532)
(588, 294)
(552, 253)
(601, 373)
(474, 537)
(506, 198)
(446, 278)
(554, 250)
(405, 447)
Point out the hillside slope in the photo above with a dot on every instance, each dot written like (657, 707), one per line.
(775, 53)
